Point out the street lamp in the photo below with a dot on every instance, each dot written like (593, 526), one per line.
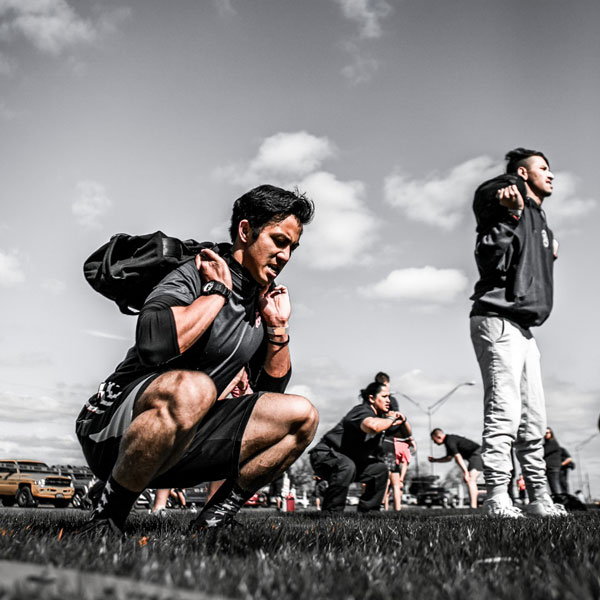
(578, 447)
(430, 410)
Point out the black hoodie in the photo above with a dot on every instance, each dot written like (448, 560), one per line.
(514, 257)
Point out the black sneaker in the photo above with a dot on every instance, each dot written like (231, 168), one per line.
(105, 528)
(202, 524)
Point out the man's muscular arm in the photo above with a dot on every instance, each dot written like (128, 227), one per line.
(191, 322)
(167, 325)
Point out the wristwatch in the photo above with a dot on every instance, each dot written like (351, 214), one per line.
(216, 287)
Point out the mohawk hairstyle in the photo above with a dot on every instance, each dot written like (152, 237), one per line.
(517, 157)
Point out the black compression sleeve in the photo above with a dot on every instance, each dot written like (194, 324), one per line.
(156, 334)
(278, 385)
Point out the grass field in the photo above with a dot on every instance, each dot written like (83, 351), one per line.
(416, 554)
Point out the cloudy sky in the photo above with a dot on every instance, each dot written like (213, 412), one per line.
(145, 115)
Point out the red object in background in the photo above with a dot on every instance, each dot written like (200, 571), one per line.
(290, 503)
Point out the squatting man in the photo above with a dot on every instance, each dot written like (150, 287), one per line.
(160, 420)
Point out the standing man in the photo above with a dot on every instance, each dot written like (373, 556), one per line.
(515, 252)
(156, 421)
(461, 449)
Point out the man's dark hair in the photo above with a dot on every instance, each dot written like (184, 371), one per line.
(436, 431)
(269, 204)
(371, 390)
(518, 156)
(382, 377)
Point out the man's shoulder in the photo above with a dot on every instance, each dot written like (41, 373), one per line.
(184, 283)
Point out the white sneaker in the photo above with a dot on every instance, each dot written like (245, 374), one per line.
(501, 506)
(545, 507)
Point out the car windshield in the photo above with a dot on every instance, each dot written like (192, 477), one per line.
(38, 467)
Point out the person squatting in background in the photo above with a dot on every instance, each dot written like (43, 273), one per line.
(352, 451)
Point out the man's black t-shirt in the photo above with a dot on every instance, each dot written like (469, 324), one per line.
(456, 444)
(348, 438)
(235, 338)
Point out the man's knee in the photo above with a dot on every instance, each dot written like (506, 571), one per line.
(302, 416)
(183, 397)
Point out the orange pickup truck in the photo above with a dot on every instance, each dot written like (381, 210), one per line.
(29, 482)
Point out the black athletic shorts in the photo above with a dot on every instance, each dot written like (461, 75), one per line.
(213, 454)
(475, 462)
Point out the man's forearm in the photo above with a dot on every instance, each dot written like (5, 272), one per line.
(192, 322)
(277, 361)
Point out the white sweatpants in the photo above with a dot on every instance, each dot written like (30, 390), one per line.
(514, 410)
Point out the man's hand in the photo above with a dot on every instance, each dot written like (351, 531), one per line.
(431, 459)
(466, 476)
(213, 268)
(275, 307)
(510, 197)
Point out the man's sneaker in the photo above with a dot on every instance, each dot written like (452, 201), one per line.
(104, 528)
(545, 507)
(501, 506)
(161, 513)
(202, 524)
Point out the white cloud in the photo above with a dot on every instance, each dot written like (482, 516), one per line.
(11, 273)
(52, 25)
(565, 205)
(343, 227)
(362, 68)
(441, 201)
(281, 157)
(91, 204)
(54, 286)
(6, 113)
(7, 66)
(367, 14)
(225, 7)
(426, 284)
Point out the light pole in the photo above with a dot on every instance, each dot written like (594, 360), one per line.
(578, 447)
(430, 410)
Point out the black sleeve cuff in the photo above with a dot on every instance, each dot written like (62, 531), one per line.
(278, 385)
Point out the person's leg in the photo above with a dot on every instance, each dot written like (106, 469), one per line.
(397, 487)
(553, 476)
(386, 495)
(160, 500)
(472, 485)
(339, 471)
(529, 444)
(213, 486)
(374, 477)
(563, 481)
(163, 421)
(280, 428)
(500, 351)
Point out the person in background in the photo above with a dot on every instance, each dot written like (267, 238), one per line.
(351, 451)
(461, 449)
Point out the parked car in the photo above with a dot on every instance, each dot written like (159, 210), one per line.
(28, 483)
(82, 478)
(429, 492)
(195, 497)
